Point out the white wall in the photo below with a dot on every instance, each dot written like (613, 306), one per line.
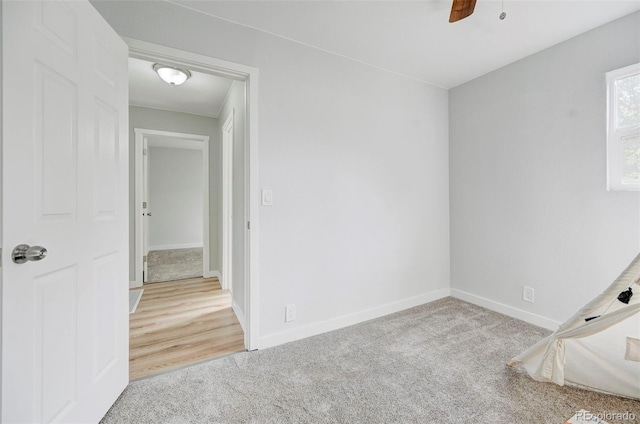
(235, 103)
(175, 198)
(529, 204)
(1, 209)
(163, 120)
(357, 159)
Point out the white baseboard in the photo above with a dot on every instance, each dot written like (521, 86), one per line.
(175, 246)
(239, 314)
(313, 329)
(525, 316)
(212, 274)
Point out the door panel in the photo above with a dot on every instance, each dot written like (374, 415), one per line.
(65, 185)
(55, 145)
(59, 24)
(105, 187)
(105, 340)
(55, 344)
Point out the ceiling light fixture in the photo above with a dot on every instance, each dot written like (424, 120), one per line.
(171, 74)
(503, 14)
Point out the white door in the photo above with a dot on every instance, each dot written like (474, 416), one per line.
(64, 187)
(146, 210)
(227, 202)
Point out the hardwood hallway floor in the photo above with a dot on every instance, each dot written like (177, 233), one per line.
(179, 323)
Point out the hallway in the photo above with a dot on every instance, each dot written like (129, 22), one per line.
(179, 323)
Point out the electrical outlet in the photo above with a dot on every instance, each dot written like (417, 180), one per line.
(527, 294)
(289, 313)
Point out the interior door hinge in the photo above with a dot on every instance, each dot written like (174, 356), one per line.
(144, 152)
(248, 225)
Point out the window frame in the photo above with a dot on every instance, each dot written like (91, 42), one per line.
(616, 135)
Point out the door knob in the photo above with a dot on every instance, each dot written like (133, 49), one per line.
(23, 253)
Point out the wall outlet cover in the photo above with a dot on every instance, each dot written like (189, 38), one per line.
(527, 294)
(289, 313)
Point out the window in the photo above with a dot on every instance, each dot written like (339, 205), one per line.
(623, 129)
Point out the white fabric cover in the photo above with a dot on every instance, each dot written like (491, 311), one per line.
(633, 349)
(592, 354)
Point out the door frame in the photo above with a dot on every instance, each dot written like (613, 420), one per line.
(155, 52)
(142, 178)
(227, 202)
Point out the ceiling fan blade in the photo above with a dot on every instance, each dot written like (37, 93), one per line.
(461, 9)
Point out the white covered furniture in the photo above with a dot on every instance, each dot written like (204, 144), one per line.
(602, 354)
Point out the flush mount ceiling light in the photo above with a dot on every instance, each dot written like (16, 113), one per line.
(171, 74)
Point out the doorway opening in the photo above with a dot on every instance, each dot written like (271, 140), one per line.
(229, 177)
(172, 199)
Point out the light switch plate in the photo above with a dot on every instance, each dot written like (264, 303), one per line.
(267, 198)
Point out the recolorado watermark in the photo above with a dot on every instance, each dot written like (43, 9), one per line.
(602, 417)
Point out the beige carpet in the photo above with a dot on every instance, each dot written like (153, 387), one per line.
(443, 363)
(174, 264)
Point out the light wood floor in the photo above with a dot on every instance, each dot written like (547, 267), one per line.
(179, 323)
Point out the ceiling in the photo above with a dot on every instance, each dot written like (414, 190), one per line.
(202, 94)
(414, 38)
